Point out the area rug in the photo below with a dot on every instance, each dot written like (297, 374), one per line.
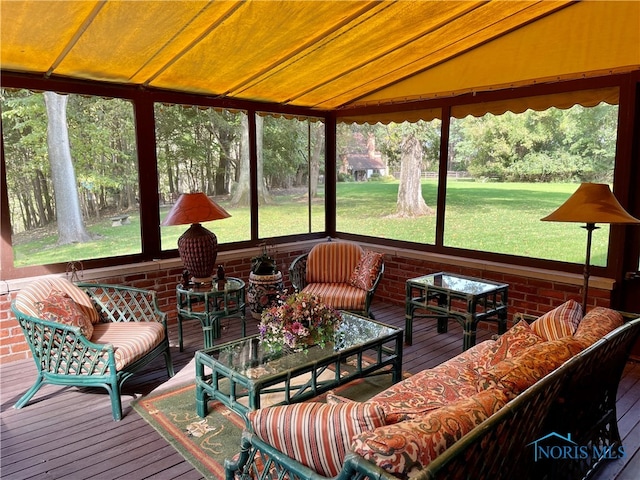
(207, 442)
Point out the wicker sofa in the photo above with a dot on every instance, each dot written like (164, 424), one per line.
(342, 274)
(90, 335)
(482, 414)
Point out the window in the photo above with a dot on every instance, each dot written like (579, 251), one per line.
(291, 166)
(523, 166)
(388, 180)
(72, 194)
(200, 149)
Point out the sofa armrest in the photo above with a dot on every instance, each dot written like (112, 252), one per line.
(256, 456)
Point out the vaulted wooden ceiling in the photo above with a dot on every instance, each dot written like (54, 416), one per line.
(325, 55)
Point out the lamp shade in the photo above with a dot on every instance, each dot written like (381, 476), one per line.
(198, 247)
(194, 208)
(591, 203)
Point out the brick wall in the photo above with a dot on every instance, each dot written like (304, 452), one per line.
(529, 292)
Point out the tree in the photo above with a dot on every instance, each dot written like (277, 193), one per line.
(241, 196)
(70, 225)
(316, 137)
(410, 201)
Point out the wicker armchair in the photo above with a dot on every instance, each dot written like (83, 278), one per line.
(342, 274)
(129, 331)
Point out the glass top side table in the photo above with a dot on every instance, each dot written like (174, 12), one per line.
(210, 304)
(467, 300)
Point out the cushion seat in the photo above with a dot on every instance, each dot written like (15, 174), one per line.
(131, 340)
(340, 296)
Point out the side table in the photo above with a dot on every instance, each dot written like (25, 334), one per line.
(210, 304)
(467, 300)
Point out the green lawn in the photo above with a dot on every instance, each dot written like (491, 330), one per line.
(495, 217)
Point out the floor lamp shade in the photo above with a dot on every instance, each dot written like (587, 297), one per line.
(591, 203)
(198, 247)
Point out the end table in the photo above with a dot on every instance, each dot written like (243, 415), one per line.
(465, 299)
(210, 304)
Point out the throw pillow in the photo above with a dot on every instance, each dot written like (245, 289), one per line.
(366, 271)
(597, 323)
(516, 374)
(512, 343)
(407, 447)
(315, 434)
(559, 322)
(60, 307)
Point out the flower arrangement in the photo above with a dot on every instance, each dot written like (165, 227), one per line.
(297, 321)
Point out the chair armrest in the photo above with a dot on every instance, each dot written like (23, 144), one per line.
(118, 303)
(298, 272)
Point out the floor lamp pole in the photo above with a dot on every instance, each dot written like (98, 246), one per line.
(590, 227)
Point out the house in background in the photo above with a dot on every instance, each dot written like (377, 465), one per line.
(365, 161)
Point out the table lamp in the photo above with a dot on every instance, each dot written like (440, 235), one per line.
(591, 203)
(198, 247)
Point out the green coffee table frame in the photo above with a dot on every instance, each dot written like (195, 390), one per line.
(210, 304)
(467, 300)
(375, 356)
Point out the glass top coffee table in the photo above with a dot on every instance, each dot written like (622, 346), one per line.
(465, 299)
(239, 372)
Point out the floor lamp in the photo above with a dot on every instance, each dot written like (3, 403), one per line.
(591, 203)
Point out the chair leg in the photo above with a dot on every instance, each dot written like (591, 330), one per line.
(30, 393)
(116, 401)
(167, 359)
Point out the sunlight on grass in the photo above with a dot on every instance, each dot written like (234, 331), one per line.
(495, 217)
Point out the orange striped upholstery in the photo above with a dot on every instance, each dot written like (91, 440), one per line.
(340, 296)
(318, 435)
(39, 290)
(130, 340)
(332, 262)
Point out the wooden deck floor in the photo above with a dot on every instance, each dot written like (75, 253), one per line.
(68, 433)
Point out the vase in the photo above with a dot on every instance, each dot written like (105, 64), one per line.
(262, 292)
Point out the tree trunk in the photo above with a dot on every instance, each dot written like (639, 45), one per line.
(410, 202)
(241, 196)
(70, 226)
(317, 145)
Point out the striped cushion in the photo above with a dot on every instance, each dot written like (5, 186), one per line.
(315, 434)
(332, 262)
(130, 340)
(559, 322)
(27, 298)
(340, 296)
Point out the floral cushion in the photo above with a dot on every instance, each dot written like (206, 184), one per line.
(427, 390)
(511, 344)
(315, 434)
(405, 448)
(517, 374)
(366, 271)
(597, 323)
(60, 307)
(559, 322)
